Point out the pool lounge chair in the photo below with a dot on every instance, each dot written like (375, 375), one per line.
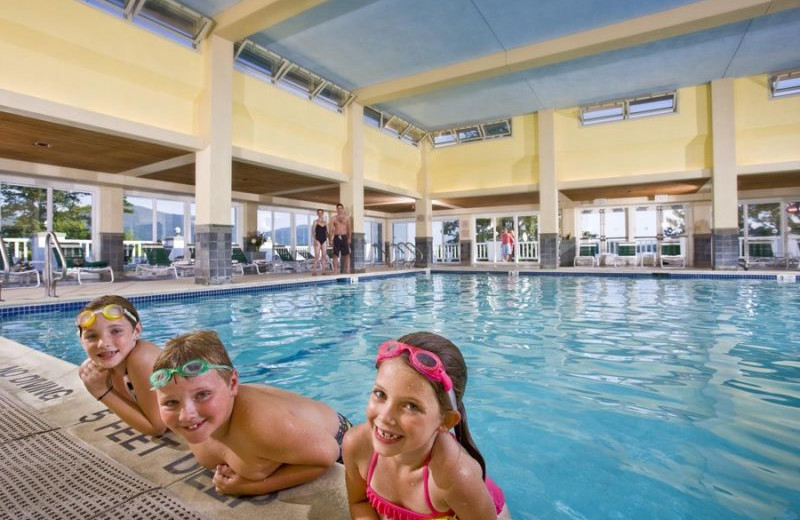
(240, 262)
(672, 254)
(16, 274)
(286, 261)
(587, 251)
(158, 263)
(760, 254)
(625, 253)
(70, 262)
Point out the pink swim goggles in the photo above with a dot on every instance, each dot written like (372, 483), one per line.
(423, 361)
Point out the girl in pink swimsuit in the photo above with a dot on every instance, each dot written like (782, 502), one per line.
(404, 463)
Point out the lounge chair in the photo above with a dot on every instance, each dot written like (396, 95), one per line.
(760, 254)
(588, 251)
(240, 262)
(70, 262)
(285, 259)
(625, 252)
(11, 273)
(158, 263)
(672, 254)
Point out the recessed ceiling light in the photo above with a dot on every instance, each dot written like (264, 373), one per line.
(41, 144)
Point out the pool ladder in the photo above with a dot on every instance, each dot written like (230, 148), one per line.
(50, 280)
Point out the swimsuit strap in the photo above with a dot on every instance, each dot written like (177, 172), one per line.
(394, 511)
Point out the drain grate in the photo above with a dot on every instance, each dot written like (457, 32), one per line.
(52, 477)
(154, 504)
(17, 422)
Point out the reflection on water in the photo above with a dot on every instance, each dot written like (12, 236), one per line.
(591, 398)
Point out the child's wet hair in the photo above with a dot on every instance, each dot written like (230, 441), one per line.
(113, 299)
(200, 344)
(456, 368)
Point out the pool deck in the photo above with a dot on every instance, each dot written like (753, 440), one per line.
(66, 456)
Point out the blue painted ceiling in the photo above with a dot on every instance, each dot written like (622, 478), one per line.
(359, 43)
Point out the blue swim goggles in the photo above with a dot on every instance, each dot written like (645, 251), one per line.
(193, 368)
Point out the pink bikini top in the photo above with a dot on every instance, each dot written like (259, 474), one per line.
(395, 512)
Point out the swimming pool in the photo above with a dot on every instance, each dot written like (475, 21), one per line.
(591, 398)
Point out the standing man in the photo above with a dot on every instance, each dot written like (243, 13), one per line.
(341, 239)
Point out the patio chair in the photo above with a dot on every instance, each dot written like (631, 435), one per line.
(626, 252)
(70, 260)
(158, 263)
(240, 262)
(588, 251)
(672, 254)
(16, 273)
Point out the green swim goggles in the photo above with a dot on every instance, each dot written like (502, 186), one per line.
(193, 368)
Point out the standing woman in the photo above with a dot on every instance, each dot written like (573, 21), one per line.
(320, 242)
(119, 363)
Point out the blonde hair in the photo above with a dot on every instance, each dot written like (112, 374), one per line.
(200, 344)
(113, 299)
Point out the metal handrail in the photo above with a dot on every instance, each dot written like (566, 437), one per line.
(6, 262)
(51, 243)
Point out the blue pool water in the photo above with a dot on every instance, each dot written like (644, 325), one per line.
(591, 398)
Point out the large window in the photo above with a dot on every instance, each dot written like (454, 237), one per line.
(673, 221)
(27, 210)
(446, 241)
(373, 240)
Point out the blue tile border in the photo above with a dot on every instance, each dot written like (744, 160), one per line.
(607, 274)
(40, 308)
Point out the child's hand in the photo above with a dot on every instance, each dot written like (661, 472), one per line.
(94, 378)
(225, 480)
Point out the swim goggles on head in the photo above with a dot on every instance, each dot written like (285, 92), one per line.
(423, 361)
(193, 368)
(112, 311)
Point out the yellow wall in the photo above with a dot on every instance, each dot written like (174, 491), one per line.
(271, 120)
(667, 143)
(390, 161)
(71, 53)
(494, 163)
(767, 130)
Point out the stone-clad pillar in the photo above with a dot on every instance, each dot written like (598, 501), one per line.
(213, 168)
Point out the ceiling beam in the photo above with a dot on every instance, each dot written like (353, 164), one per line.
(302, 190)
(251, 16)
(687, 19)
(168, 164)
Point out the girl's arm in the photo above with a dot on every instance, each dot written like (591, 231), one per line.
(142, 414)
(458, 482)
(356, 452)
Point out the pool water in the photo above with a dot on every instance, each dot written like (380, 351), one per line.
(590, 398)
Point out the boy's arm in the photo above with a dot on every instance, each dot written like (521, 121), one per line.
(353, 452)
(288, 475)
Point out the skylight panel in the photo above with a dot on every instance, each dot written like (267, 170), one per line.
(372, 117)
(602, 113)
(444, 138)
(413, 134)
(785, 84)
(497, 129)
(171, 16)
(633, 108)
(258, 58)
(651, 106)
(118, 7)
